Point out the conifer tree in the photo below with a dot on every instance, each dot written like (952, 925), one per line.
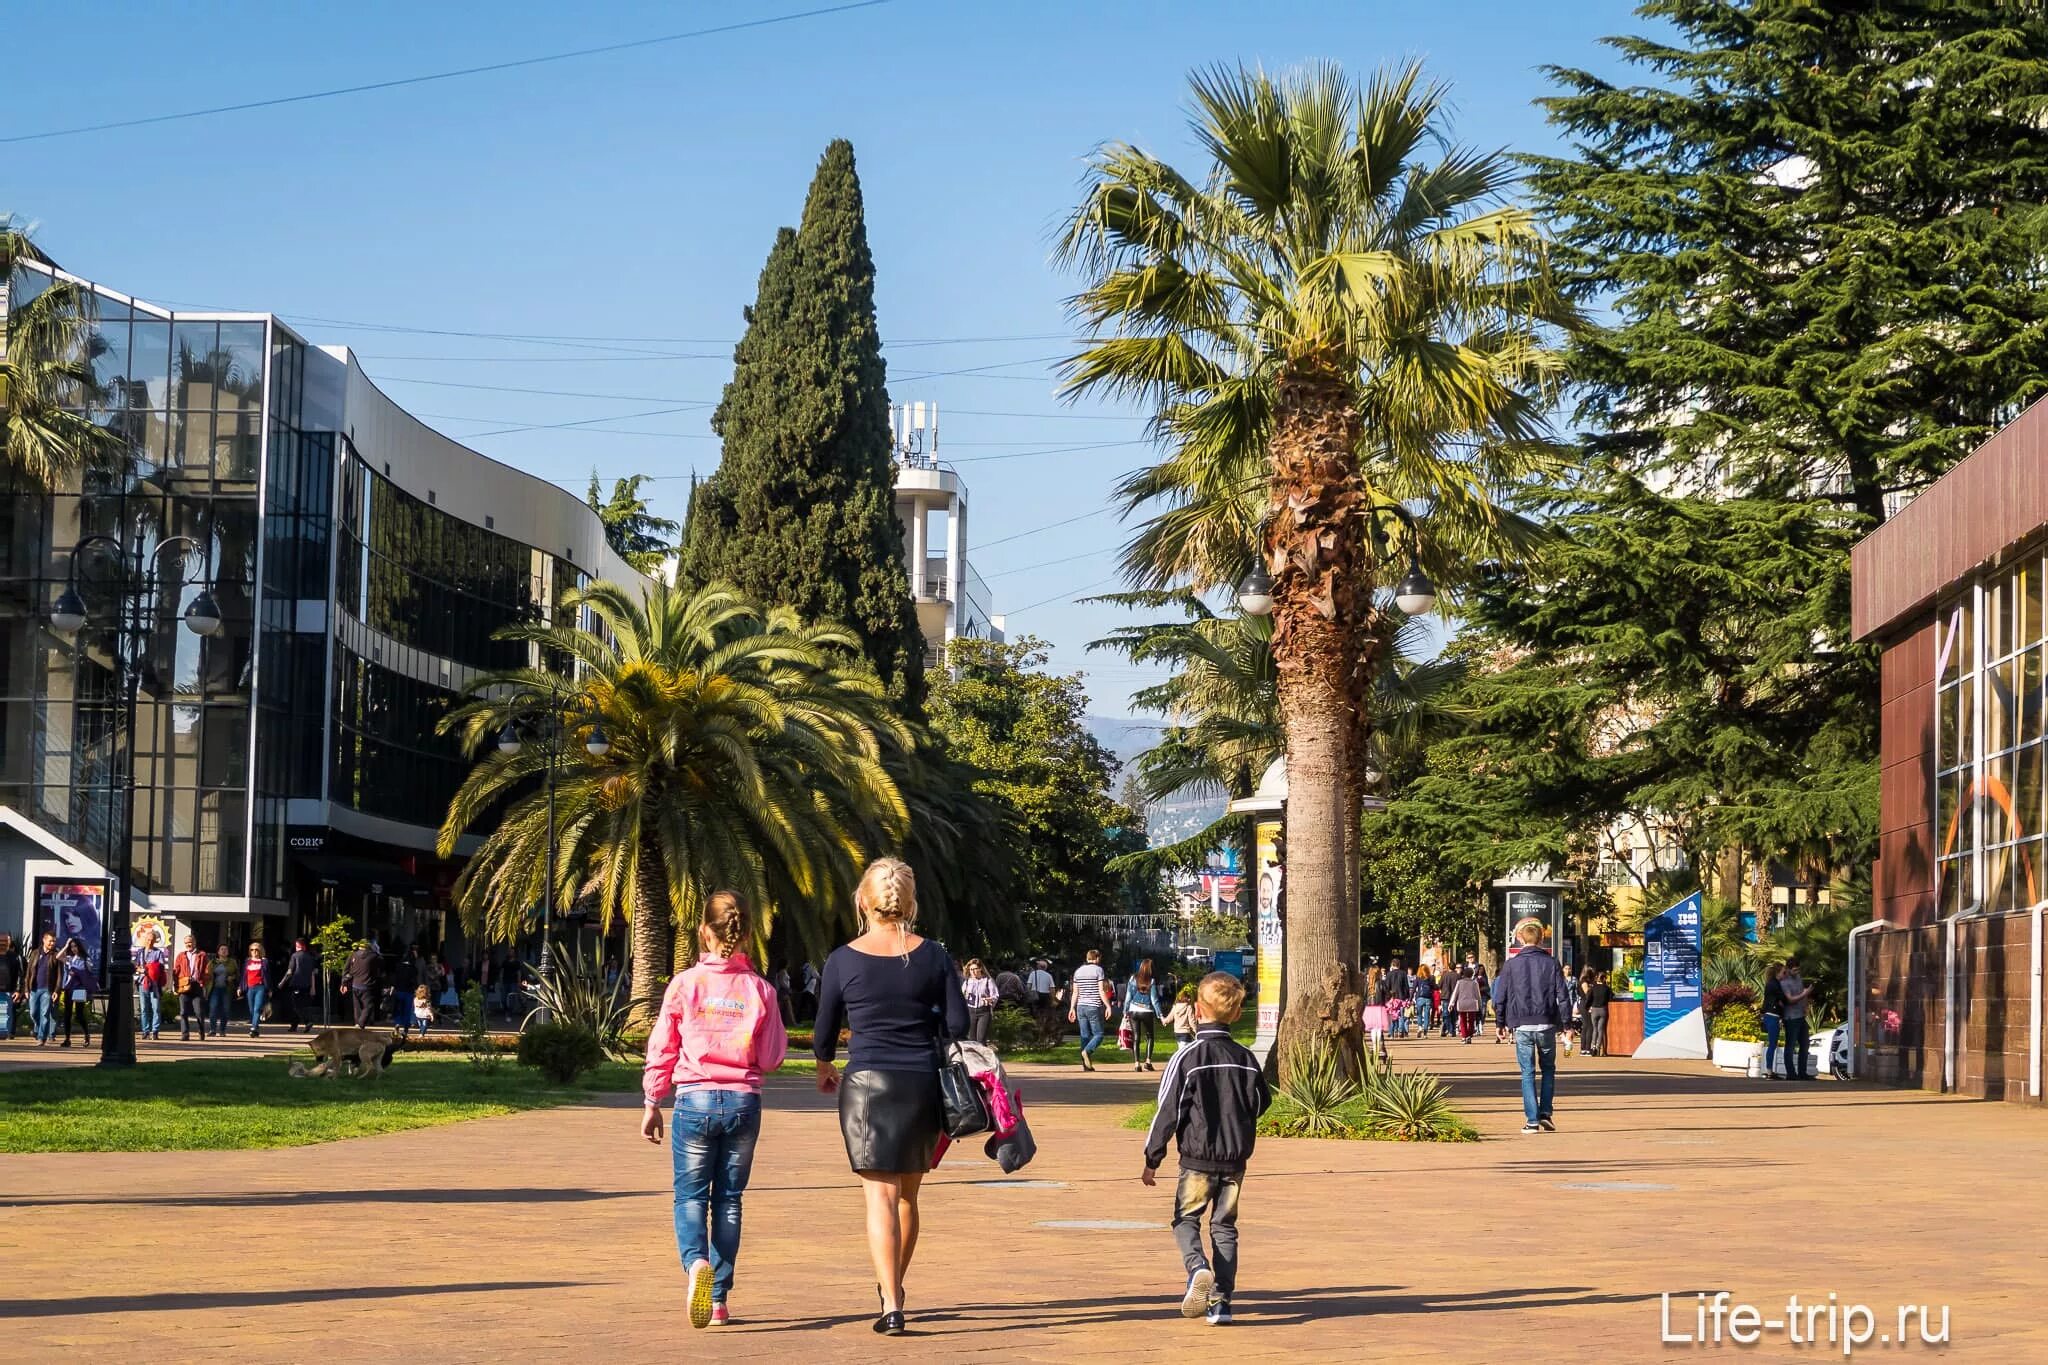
(802, 508)
(1816, 235)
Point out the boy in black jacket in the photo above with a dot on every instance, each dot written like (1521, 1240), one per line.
(1210, 1100)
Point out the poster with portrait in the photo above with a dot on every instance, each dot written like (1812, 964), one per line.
(1271, 939)
(74, 909)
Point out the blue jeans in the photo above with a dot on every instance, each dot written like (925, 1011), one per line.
(40, 1018)
(6, 1016)
(1772, 1023)
(1090, 1022)
(149, 1010)
(713, 1140)
(256, 994)
(217, 1010)
(1533, 1047)
(1422, 1017)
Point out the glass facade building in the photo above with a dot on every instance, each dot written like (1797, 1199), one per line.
(286, 768)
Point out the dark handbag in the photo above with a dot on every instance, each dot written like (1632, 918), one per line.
(966, 1112)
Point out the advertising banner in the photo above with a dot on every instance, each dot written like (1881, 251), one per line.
(77, 910)
(1271, 935)
(1674, 1024)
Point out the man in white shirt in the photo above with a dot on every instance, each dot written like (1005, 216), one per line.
(1038, 985)
(1090, 1006)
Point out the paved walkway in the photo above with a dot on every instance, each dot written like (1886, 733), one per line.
(19, 1053)
(546, 1235)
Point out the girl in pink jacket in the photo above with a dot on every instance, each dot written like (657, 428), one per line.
(719, 1030)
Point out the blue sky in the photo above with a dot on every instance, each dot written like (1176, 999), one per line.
(623, 203)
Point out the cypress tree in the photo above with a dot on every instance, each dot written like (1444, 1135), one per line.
(802, 508)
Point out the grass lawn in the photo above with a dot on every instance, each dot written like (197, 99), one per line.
(252, 1102)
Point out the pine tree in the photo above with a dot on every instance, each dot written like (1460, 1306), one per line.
(802, 508)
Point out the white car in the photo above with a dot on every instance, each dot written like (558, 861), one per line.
(1197, 957)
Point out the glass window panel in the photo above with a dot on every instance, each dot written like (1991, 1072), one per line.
(238, 367)
(1955, 872)
(27, 284)
(1948, 795)
(2030, 710)
(1997, 618)
(1948, 718)
(191, 440)
(2028, 579)
(149, 360)
(2026, 792)
(108, 350)
(237, 446)
(1998, 702)
(195, 352)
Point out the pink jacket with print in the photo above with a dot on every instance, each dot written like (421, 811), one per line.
(720, 1027)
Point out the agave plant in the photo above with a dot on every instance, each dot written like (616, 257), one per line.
(576, 994)
(1411, 1106)
(1316, 1091)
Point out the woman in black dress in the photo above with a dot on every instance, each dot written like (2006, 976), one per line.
(898, 993)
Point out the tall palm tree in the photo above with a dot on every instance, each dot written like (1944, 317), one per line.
(46, 374)
(742, 753)
(1221, 699)
(1327, 325)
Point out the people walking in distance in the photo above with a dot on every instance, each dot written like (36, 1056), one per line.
(1797, 1037)
(719, 1031)
(405, 979)
(1393, 994)
(978, 989)
(301, 977)
(1089, 1005)
(42, 975)
(1143, 1004)
(1465, 1003)
(1422, 990)
(900, 994)
(1774, 1019)
(1533, 999)
(1184, 1016)
(1038, 984)
(76, 987)
(423, 1008)
(152, 976)
(1374, 1019)
(359, 982)
(785, 995)
(1595, 994)
(1210, 1100)
(191, 971)
(255, 986)
(1010, 989)
(11, 969)
(224, 979)
(1445, 980)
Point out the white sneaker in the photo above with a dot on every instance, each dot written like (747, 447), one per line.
(700, 1293)
(1195, 1302)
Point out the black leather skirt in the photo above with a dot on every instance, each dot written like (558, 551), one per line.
(891, 1120)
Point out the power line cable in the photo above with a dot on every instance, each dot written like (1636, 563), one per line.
(1049, 526)
(440, 75)
(1068, 596)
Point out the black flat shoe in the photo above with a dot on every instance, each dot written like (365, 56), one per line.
(890, 1324)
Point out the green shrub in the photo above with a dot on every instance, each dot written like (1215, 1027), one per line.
(561, 1052)
(1011, 1028)
(476, 1033)
(1739, 1023)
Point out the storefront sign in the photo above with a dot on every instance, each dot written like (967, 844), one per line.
(1674, 1024)
(1271, 940)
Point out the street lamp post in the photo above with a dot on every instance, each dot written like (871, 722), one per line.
(1414, 594)
(139, 582)
(531, 708)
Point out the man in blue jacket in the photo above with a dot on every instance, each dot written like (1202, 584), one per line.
(1532, 998)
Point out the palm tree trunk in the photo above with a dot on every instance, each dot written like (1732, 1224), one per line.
(653, 933)
(1312, 543)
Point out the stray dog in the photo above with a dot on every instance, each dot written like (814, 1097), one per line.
(367, 1052)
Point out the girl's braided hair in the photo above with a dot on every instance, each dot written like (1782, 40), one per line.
(724, 923)
(888, 893)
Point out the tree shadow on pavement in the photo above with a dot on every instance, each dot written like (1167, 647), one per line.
(255, 1298)
(287, 1198)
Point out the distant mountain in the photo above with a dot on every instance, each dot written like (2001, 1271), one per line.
(1169, 821)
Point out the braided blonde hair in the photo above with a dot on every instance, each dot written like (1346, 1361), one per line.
(724, 923)
(888, 894)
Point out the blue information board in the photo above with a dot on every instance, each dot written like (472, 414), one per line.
(1671, 966)
(1230, 962)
